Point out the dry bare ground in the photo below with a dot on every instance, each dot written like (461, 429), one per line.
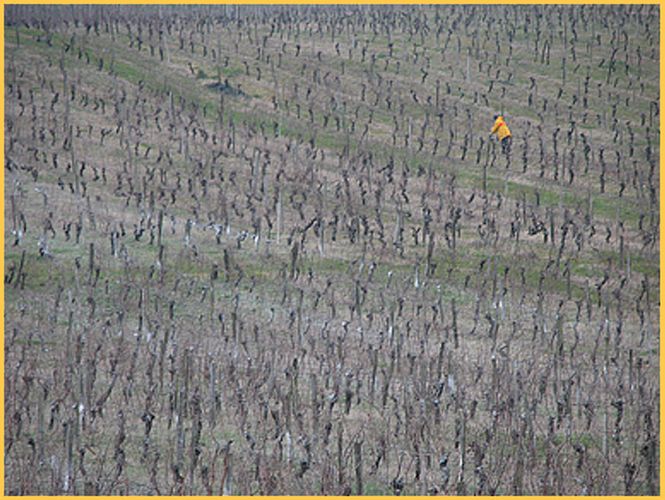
(272, 250)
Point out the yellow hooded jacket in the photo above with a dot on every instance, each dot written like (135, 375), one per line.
(500, 128)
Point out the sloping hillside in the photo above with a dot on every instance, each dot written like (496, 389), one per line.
(274, 250)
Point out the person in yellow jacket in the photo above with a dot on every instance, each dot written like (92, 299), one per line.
(503, 132)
